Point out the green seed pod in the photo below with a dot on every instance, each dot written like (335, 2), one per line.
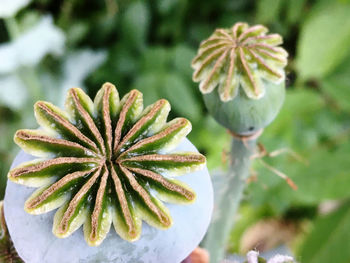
(101, 162)
(243, 115)
(248, 67)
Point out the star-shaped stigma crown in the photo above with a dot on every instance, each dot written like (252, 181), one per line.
(240, 56)
(105, 161)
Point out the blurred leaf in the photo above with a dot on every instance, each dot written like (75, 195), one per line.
(337, 85)
(182, 100)
(328, 166)
(297, 117)
(122, 59)
(28, 20)
(182, 56)
(199, 31)
(172, 14)
(165, 6)
(76, 32)
(268, 10)
(103, 29)
(324, 40)
(135, 24)
(329, 240)
(156, 85)
(294, 10)
(307, 127)
(155, 59)
(229, 18)
(325, 166)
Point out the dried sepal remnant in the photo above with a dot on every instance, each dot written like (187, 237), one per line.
(105, 162)
(240, 56)
(8, 253)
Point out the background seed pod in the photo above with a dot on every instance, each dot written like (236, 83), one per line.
(240, 56)
(246, 65)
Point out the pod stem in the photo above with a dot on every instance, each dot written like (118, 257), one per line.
(229, 195)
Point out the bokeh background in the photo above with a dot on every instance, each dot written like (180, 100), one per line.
(47, 47)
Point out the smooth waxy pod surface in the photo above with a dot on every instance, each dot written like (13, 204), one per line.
(243, 115)
(246, 65)
(105, 162)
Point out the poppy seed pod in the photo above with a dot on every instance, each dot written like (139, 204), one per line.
(102, 163)
(247, 66)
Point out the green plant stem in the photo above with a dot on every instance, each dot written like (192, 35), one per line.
(229, 198)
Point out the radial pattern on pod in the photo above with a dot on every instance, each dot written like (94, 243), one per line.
(240, 56)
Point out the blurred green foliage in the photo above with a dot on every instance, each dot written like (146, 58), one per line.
(149, 45)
